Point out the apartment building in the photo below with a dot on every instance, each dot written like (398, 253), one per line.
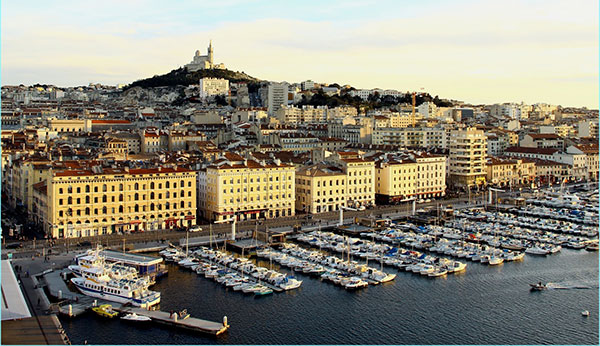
(277, 96)
(467, 155)
(405, 175)
(360, 178)
(510, 171)
(542, 140)
(88, 202)
(320, 188)
(305, 115)
(213, 87)
(247, 189)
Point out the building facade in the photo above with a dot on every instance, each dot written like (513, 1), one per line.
(247, 189)
(468, 149)
(88, 202)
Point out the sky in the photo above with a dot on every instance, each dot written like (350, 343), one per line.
(474, 51)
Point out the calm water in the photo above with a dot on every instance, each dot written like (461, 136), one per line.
(484, 305)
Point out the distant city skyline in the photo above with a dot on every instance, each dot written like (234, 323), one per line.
(474, 51)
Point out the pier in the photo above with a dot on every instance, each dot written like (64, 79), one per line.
(190, 323)
(74, 304)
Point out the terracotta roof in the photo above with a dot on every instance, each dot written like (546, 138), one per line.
(544, 136)
(543, 151)
(111, 121)
(115, 171)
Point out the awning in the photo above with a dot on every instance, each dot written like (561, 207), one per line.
(190, 217)
(225, 213)
(171, 219)
(254, 211)
(134, 222)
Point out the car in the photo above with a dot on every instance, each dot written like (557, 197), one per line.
(195, 229)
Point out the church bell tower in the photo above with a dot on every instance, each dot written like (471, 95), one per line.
(210, 53)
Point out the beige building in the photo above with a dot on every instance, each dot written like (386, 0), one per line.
(467, 157)
(69, 125)
(510, 171)
(132, 139)
(341, 112)
(82, 202)
(117, 146)
(307, 114)
(407, 175)
(154, 141)
(246, 189)
(213, 87)
(320, 188)
(360, 178)
(591, 154)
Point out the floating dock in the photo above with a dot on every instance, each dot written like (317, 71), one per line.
(190, 323)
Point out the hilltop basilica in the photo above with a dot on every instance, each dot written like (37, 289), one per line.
(201, 62)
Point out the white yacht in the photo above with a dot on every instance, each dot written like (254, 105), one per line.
(536, 250)
(96, 282)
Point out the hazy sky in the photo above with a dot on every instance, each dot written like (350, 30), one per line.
(475, 51)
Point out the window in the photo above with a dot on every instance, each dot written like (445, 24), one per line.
(69, 200)
(136, 197)
(120, 187)
(60, 190)
(78, 190)
(104, 188)
(60, 202)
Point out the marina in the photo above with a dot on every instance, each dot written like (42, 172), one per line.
(511, 250)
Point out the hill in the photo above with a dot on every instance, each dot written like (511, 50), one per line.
(181, 76)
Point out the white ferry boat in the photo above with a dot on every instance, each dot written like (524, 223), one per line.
(96, 282)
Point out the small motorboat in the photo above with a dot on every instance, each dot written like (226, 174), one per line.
(592, 247)
(105, 310)
(537, 287)
(585, 313)
(135, 317)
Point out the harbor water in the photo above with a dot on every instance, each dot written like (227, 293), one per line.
(484, 305)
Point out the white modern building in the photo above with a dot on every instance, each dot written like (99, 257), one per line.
(213, 87)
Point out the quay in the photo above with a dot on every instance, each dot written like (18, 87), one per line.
(190, 323)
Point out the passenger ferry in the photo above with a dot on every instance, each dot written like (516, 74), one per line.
(96, 282)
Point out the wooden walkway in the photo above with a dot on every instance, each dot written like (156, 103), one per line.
(191, 323)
